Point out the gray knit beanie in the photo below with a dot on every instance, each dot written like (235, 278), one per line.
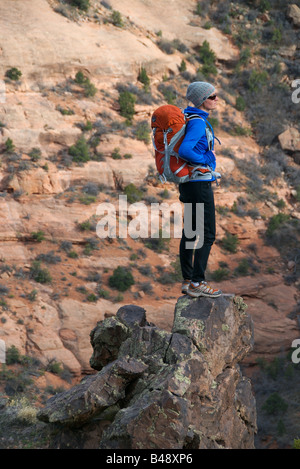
(198, 92)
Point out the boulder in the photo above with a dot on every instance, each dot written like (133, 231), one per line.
(290, 140)
(93, 394)
(108, 335)
(293, 13)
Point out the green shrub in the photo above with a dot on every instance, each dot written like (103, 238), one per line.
(9, 145)
(103, 293)
(207, 25)
(49, 258)
(272, 368)
(80, 78)
(182, 67)
(257, 79)
(239, 130)
(280, 203)
(166, 46)
(85, 225)
(207, 57)
(116, 155)
(91, 297)
(35, 154)
(72, 254)
(180, 46)
(89, 89)
(54, 367)
(143, 78)
(84, 82)
(87, 199)
(168, 92)
(66, 246)
(157, 244)
(275, 222)
(240, 103)
(264, 5)
(65, 112)
(281, 429)
(90, 245)
(198, 10)
(13, 74)
(87, 126)
(121, 279)
(244, 36)
(220, 274)
(206, 54)
(242, 268)
(91, 188)
(275, 404)
(142, 131)
(4, 290)
(165, 194)
(230, 242)
(276, 35)
(39, 236)
(12, 355)
(133, 193)
(80, 152)
(81, 4)
(116, 19)
(127, 105)
(222, 210)
(39, 274)
(166, 278)
(32, 295)
(245, 56)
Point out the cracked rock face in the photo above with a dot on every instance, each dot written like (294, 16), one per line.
(159, 390)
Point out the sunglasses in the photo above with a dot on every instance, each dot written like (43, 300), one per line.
(212, 97)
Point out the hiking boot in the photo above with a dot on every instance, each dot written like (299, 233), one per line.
(185, 286)
(203, 290)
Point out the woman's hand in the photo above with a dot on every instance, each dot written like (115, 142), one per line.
(211, 159)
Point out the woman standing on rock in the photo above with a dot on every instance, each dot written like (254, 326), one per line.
(197, 148)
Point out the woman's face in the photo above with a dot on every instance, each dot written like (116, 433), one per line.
(210, 104)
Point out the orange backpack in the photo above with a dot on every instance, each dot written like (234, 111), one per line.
(168, 124)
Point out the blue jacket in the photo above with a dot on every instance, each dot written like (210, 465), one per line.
(194, 147)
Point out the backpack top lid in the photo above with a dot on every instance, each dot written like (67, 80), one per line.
(167, 115)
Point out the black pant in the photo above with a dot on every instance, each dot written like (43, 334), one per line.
(194, 261)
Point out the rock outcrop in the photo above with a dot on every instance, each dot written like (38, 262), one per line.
(161, 390)
(293, 13)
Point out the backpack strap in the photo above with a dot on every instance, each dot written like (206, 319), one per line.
(209, 129)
